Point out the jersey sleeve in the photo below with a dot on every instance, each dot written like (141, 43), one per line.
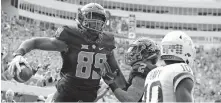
(61, 34)
(181, 71)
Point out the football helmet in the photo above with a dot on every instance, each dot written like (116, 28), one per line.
(142, 49)
(177, 46)
(92, 17)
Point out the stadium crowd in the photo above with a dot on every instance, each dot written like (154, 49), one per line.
(207, 65)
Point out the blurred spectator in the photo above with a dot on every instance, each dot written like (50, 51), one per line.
(41, 83)
(46, 67)
(19, 97)
(218, 101)
(6, 57)
(9, 96)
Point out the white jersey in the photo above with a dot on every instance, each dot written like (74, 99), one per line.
(161, 82)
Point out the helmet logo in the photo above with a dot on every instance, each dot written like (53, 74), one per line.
(183, 49)
(141, 67)
(171, 48)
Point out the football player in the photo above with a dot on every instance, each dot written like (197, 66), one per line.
(83, 47)
(174, 81)
(142, 56)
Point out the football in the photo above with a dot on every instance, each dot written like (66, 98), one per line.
(25, 74)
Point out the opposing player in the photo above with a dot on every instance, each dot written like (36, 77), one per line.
(142, 57)
(173, 82)
(83, 47)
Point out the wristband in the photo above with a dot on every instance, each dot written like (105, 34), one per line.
(19, 52)
(113, 86)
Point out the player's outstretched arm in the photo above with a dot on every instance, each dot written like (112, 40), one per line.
(117, 83)
(184, 90)
(119, 79)
(42, 43)
(134, 92)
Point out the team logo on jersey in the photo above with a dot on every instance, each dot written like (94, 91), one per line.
(84, 46)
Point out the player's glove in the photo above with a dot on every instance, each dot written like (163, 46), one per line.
(109, 76)
(15, 63)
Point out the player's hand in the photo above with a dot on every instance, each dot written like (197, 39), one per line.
(107, 74)
(15, 64)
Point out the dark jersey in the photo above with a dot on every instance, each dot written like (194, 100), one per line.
(83, 58)
(139, 69)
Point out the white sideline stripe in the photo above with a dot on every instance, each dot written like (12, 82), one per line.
(27, 89)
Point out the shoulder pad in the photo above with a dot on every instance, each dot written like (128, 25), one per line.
(139, 69)
(65, 33)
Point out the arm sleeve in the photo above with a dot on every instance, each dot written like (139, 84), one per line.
(184, 91)
(61, 34)
(134, 92)
(120, 79)
(44, 43)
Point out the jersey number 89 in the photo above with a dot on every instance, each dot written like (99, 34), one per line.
(85, 61)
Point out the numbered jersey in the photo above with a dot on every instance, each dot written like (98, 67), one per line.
(83, 58)
(161, 83)
(139, 69)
